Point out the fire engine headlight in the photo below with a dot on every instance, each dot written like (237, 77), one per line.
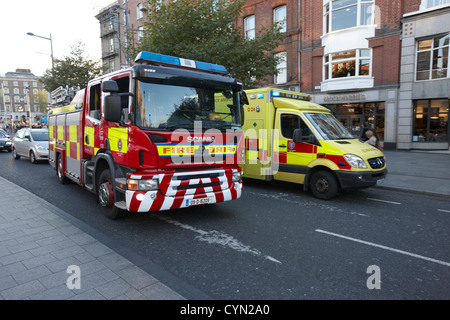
(355, 161)
(147, 184)
(237, 175)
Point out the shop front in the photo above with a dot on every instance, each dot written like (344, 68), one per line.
(360, 111)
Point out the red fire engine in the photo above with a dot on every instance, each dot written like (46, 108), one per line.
(162, 134)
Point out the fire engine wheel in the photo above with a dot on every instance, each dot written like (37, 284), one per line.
(324, 185)
(59, 171)
(105, 194)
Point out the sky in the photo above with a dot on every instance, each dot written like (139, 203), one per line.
(67, 21)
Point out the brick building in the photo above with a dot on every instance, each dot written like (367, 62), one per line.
(120, 18)
(22, 97)
(349, 54)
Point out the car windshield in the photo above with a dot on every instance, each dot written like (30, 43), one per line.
(2, 135)
(328, 126)
(169, 107)
(40, 136)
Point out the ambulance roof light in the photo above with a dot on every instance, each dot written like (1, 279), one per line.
(150, 57)
(304, 97)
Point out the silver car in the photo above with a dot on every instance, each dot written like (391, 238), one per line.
(32, 143)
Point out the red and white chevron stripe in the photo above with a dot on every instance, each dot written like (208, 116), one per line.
(178, 189)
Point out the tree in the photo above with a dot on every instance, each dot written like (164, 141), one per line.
(206, 30)
(74, 70)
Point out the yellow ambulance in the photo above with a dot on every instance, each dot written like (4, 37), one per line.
(289, 138)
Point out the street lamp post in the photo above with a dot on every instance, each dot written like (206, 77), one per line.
(51, 43)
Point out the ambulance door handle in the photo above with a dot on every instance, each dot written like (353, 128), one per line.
(282, 146)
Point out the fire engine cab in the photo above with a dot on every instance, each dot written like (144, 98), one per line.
(162, 134)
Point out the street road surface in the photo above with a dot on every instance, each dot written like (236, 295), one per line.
(276, 242)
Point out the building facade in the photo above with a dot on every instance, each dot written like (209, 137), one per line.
(118, 21)
(353, 57)
(22, 98)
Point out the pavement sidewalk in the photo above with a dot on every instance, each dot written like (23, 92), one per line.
(41, 248)
(40, 243)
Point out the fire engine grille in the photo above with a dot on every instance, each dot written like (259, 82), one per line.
(377, 163)
(198, 182)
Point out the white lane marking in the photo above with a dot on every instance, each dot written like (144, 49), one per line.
(221, 238)
(447, 264)
(392, 202)
(285, 197)
(442, 210)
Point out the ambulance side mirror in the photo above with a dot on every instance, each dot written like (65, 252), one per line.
(297, 135)
(112, 110)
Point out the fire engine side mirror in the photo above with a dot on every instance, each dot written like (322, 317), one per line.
(112, 110)
(110, 86)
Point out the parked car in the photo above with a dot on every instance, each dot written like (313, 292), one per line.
(5, 141)
(32, 143)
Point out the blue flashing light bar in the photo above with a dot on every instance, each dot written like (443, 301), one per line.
(304, 97)
(156, 58)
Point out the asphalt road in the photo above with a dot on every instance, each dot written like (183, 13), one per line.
(276, 242)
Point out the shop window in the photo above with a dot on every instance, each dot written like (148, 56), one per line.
(431, 120)
(343, 14)
(432, 58)
(351, 63)
(434, 3)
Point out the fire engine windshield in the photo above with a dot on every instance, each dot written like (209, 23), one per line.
(328, 126)
(170, 107)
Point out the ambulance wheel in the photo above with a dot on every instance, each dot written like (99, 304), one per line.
(59, 171)
(105, 194)
(324, 185)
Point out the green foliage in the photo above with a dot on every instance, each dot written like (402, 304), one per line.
(206, 30)
(74, 70)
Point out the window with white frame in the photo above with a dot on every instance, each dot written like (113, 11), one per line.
(140, 33)
(279, 16)
(111, 45)
(434, 3)
(432, 58)
(343, 14)
(140, 13)
(249, 27)
(281, 76)
(351, 63)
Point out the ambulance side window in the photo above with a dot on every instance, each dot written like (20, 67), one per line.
(290, 122)
(94, 102)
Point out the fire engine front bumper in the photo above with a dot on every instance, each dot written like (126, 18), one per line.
(358, 180)
(146, 201)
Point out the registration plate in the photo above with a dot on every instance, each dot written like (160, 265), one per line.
(196, 202)
(380, 181)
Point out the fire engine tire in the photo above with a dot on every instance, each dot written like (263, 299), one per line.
(324, 185)
(59, 171)
(105, 193)
(15, 155)
(33, 158)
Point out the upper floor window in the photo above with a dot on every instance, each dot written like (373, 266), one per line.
(249, 27)
(434, 3)
(279, 16)
(140, 13)
(432, 58)
(352, 63)
(343, 14)
(281, 76)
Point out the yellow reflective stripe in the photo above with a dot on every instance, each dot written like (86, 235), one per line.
(50, 132)
(60, 133)
(78, 151)
(189, 150)
(68, 149)
(89, 132)
(118, 139)
(66, 108)
(73, 133)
